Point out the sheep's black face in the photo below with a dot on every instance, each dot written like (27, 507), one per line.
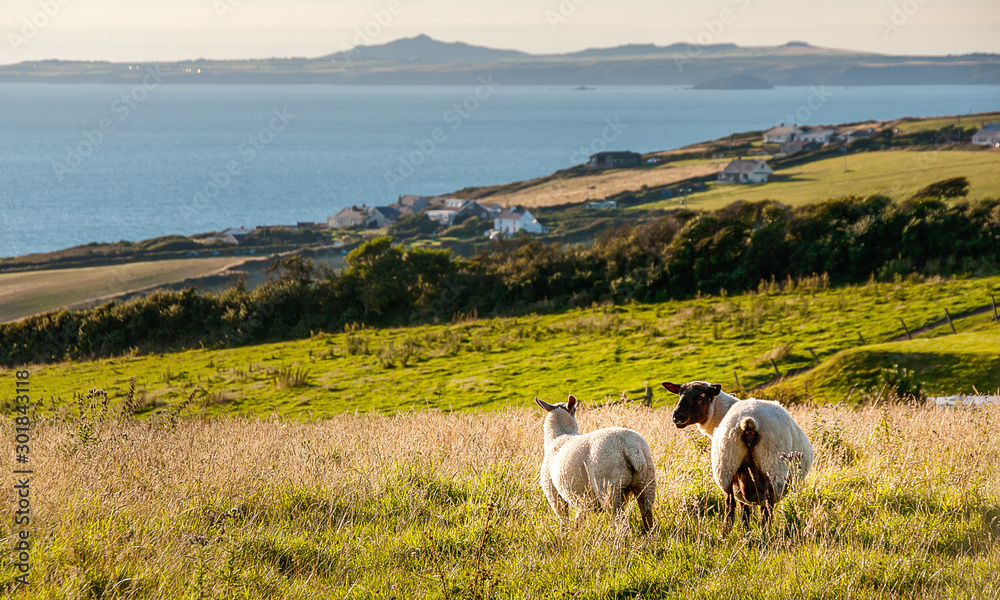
(695, 403)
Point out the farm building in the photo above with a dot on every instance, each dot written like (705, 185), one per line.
(614, 160)
(746, 171)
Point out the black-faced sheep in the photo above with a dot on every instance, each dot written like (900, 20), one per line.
(596, 470)
(754, 445)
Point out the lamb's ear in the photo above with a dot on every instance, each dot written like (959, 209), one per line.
(571, 405)
(673, 388)
(548, 407)
(717, 387)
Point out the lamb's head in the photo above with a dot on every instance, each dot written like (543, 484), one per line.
(695, 405)
(561, 418)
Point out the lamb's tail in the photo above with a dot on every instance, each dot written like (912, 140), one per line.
(750, 434)
(635, 458)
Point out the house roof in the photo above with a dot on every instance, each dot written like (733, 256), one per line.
(818, 132)
(744, 166)
(410, 199)
(234, 231)
(989, 127)
(782, 129)
(353, 211)
(617, 154)
(511, 214)
(388, 211)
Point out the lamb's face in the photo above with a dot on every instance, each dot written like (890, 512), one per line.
(695, 404)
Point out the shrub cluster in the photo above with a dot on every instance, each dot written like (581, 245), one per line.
(680, 255)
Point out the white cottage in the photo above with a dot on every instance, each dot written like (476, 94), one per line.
(746, 171)
(517, 219)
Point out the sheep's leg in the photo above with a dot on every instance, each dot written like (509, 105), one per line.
(645, 498)
(727, 522)
(767, 507)
(746, 509)
(556, 502)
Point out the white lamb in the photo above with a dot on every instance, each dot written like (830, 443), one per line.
(597, 470)
(754, 444)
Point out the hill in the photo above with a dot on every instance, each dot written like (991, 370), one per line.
(422, 60)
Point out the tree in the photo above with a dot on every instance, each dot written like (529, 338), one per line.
(956, 187)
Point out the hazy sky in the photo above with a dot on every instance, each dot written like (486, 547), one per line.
(143, 30)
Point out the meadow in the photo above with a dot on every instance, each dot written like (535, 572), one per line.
(594, 353)
(902, 502)
(33, 292)
(896, 173)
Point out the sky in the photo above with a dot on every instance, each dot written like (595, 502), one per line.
(148, 30)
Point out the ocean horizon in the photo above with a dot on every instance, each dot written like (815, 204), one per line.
(83, 163)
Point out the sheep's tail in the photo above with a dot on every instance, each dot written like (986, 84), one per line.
(635, 458)
(750, 434)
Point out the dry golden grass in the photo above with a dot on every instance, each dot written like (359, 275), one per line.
(902, 502)
(576, 190)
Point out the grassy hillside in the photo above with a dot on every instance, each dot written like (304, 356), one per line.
(897, 174)
(555, 191)
(939, 362)
(901, 503)
(492, 363)
(33, 292)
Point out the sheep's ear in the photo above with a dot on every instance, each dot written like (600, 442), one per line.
(571, 405)
(717, 387)
(672, 387)
(548, 407)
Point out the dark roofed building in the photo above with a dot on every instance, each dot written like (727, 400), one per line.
(614, 160)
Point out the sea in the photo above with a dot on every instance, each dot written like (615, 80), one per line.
(83, 163)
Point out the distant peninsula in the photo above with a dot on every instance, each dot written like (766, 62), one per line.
(736, 82)
(422, 60)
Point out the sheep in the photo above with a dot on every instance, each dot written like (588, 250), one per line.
(753, 443)
(596, 470)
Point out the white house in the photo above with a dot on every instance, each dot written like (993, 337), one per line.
(820, 136)
(781, 134)
(746, 171)
(383, 216)
(237, 232)
(989, 135)
(517, 219)
(602, 204)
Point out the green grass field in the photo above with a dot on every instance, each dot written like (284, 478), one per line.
(593, 353)
(941, 122)
(898, 174)
(33, 292)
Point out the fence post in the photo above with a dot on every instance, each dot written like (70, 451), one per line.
(775, 365)
(736, 377)
(647, 399)
(905, 328)
(948, 316)
(862, 338)
(815, 358)
(993, 301)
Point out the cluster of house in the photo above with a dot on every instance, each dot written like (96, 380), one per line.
(793, 138)
(444, 211)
